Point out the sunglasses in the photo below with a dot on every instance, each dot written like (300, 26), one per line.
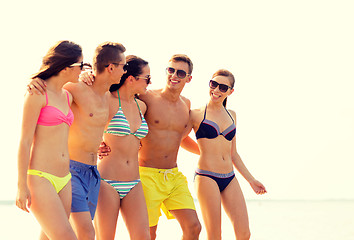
(180, 73)
(125, 65)
(81, 65)
(147, 79)
(222, 87)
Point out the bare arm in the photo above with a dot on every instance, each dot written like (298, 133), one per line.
(241, 167)
(190, 145)
(31, 110)
(187, 142)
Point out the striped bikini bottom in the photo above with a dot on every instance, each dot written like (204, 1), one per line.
(122, 187)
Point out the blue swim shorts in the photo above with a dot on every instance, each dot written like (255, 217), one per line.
(85, 183)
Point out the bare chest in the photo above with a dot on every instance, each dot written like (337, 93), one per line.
(167, 116)
(92, 111)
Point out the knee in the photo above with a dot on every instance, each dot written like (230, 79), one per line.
(87, 234)
(67, 234)
(143, 235)
(70, 235)
(62, 233)
(193, 229)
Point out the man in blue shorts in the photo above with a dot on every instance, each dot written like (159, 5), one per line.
(91, 109)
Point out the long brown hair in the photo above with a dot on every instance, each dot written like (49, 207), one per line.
(229, 75)
(59, 56)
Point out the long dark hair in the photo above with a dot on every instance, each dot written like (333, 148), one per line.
(225, 73)
(134, 68)
(59, 56)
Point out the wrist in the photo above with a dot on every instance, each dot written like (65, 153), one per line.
(21, 184)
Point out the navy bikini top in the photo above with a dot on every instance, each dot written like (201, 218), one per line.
(209, 129)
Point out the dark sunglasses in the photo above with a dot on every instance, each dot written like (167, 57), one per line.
(125, 66)
(222, 87)
(81, 65)
(180, 73)
(147, 79)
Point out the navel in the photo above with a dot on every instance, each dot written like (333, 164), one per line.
(91, 114)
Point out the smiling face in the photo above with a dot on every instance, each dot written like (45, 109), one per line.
(215, 94)
(175, 82)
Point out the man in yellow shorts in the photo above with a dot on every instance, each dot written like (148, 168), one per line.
(167, 116)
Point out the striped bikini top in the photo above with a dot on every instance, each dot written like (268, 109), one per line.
(119, 124)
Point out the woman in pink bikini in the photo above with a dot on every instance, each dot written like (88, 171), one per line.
(44, 184)
(215, 181)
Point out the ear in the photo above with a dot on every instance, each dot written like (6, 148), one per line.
(65, 70)
(109, 68)
(231, 91)
(130, 79)
(189, 79)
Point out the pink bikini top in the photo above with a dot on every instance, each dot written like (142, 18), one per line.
(52, 116)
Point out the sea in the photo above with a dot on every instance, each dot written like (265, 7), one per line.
(269, 220)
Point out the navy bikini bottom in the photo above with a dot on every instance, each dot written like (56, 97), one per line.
(221, 179)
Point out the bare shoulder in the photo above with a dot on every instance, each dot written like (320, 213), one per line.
(233, 114)
(150, 95)
(73, 88)
(186, 101)
(196, 114)
(37, 100)
(142, 106)
(197, 111)
(76, 89)
(70, 97)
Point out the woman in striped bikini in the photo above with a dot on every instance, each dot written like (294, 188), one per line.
(121, 189)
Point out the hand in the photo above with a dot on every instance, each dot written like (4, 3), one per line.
(37, 86)
(23, 199)
(87, 77)
(103, 150)
(258, 187)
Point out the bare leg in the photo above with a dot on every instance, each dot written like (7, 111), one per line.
(82, 224)
(134, 212)
(107, 212)
(235, 207)
(210, 204)
(49, 208)
(189, 222)
(153, 232)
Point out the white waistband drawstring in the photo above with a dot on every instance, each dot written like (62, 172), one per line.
(165, 176)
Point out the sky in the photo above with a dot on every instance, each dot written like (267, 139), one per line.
(293, 62)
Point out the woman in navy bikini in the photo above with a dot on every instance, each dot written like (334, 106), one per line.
(121, 189)
(215, 181)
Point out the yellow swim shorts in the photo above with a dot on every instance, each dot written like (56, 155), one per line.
(165, 189)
